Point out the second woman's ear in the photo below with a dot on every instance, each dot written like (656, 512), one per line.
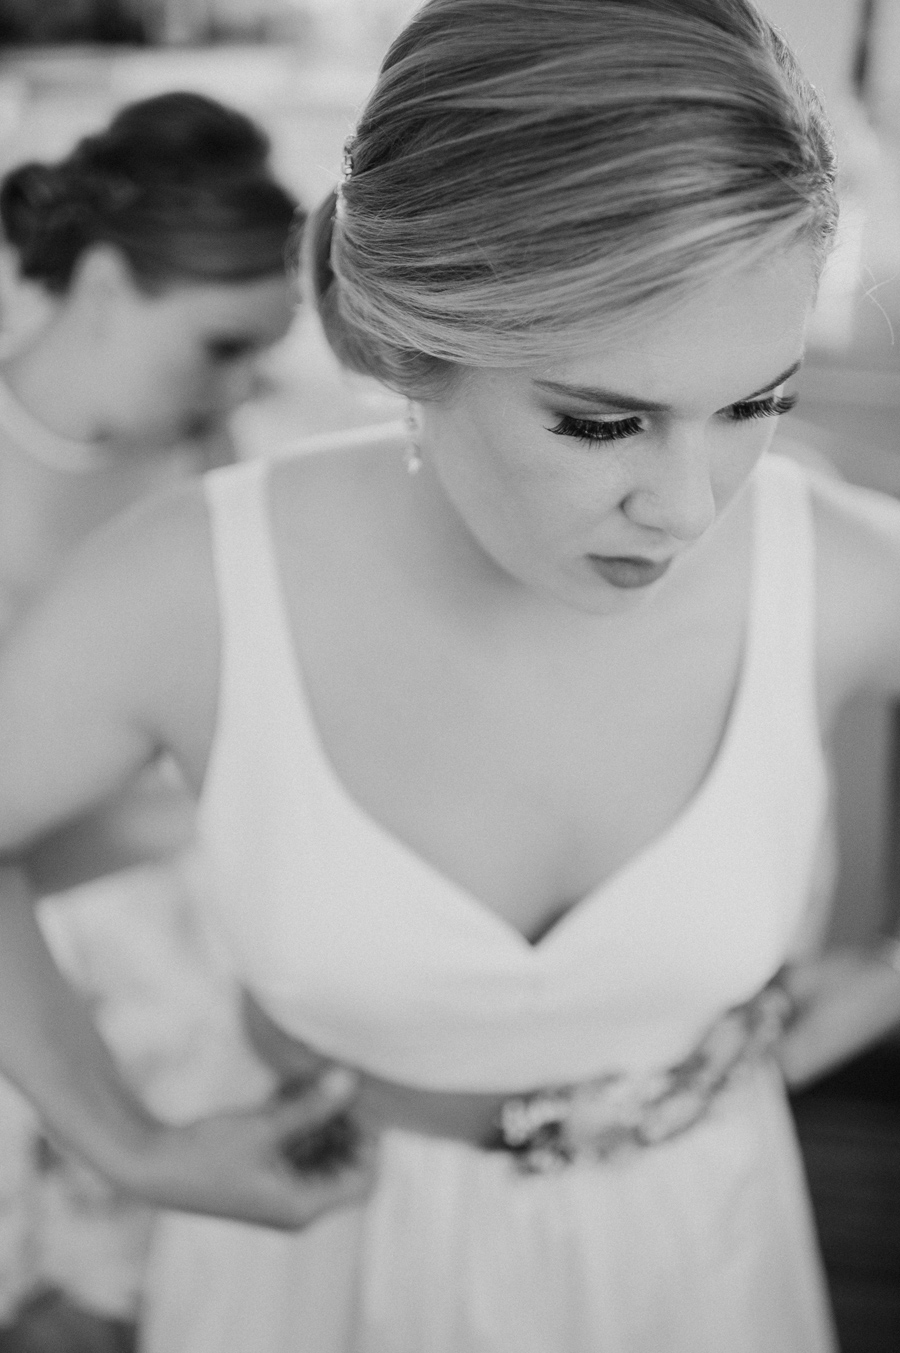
(102, 279)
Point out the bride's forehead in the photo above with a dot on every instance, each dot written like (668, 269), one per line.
(746, 329)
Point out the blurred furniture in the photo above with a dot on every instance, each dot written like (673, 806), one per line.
(51, 21)
(849, 1128)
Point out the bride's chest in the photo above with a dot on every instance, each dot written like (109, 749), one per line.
(526, 776)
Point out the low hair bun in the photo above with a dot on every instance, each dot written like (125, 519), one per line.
(358, 346)
(28, 194)
(180, 184)
(44, 220)
(318, 238)
(317, 250)
(177, 136)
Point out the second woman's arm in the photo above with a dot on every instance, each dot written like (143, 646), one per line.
(118, 662)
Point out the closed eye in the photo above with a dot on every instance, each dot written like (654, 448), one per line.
(770, 407)
(596, 431)
(592, 431)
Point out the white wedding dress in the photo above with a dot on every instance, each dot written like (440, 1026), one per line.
(354, 944)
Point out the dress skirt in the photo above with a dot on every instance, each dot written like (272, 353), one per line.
(702, 1244)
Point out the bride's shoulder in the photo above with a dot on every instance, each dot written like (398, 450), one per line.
(336, 460)
(340, 485)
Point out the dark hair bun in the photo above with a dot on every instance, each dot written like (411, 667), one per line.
(181, 135)
(179, 183)
(44, 219)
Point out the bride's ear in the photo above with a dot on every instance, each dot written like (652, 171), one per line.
(103, 292)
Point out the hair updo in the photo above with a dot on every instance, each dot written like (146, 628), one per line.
(178, 183)
(527, 173)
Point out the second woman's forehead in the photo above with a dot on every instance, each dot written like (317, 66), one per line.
(260, 310)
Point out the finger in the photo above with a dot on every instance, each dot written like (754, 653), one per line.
(297, 1209)
(331, 1092)
(302, 1196)
(826, 1038)
(314, 1134)
(802, 982)
(806, 1057)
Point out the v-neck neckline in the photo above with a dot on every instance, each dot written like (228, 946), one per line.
(458, 894)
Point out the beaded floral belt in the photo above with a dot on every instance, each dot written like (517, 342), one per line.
(615, 1114)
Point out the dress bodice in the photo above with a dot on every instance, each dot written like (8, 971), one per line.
(355, 944)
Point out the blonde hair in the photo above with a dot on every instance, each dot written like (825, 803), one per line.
(527, 172)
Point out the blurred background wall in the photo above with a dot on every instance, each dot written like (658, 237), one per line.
(850, 389)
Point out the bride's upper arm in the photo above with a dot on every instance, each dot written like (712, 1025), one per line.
(858, 551)
(117, 660)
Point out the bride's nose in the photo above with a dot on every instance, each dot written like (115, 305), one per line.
(673, 493)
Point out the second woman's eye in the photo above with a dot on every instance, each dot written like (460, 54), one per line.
(594, 431)
(228, 349)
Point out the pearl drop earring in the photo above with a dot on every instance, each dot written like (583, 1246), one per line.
(413, 449)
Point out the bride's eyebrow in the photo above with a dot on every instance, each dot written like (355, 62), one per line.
(615, 399)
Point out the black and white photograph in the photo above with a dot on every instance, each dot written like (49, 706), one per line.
(449, 676)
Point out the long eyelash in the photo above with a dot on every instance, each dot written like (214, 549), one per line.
(761, 408)
(584, 430)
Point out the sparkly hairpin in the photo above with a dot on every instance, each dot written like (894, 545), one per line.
(347, 158)
(346, 174)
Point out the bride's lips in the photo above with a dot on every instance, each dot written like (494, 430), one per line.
(628, 570)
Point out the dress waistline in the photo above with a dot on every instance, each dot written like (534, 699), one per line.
(541, 1130)
(616, 1114)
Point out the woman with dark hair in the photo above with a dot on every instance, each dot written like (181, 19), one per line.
(160, 243)
(159, 246)
(510, 767)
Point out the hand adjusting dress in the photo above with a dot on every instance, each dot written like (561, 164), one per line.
(354, 944)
